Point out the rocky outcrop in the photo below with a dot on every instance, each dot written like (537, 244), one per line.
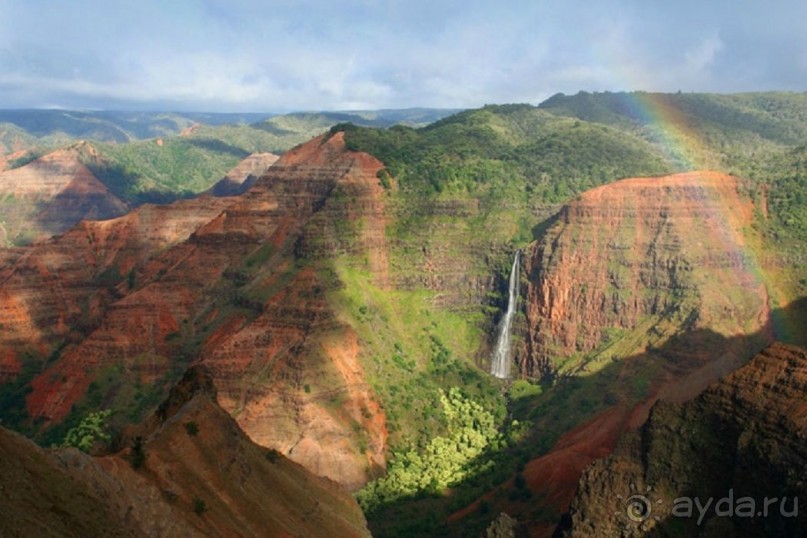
(53, 193)
(243, 175)
(234, 283)
(739, 443)
(61, 288)
(503, 526)
(641, 259)
(200, 476)
(306, 393)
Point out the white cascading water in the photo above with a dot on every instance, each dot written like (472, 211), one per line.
(500, 363)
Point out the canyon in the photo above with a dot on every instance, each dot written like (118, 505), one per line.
(52, 193)
(199, 475)
(174, 278)
(330, 295)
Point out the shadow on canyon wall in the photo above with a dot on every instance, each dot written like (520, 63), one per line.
(572, 422)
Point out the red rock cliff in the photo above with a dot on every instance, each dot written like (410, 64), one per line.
(743, 437)
(234, 283)
(644, 256)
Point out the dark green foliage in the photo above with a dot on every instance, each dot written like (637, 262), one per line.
(483, 151)
(273, 455)
(446, 460)
(199, 506)
(27, 158)
(784, 180)
(146, 171)
(192, 428)
(138, 455)
(13, 395)
(110, 277)
(775, 116)
(725, 130)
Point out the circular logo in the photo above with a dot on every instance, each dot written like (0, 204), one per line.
(637, 508)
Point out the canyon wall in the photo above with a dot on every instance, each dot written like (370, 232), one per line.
(114, 309)
(199, 476)
(743, 438)
(51, 194)
(629, 264)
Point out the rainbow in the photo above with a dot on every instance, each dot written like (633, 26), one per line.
(668, 127)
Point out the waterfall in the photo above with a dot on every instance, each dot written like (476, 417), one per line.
(500, 363)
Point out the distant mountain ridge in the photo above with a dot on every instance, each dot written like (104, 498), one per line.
(143, 157)
(123, 126)
(730, 124)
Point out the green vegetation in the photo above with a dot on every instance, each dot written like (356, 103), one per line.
(91, 430)
(192, 428)
(13, 394)
(159, 170)
(138, 455)
(758, 136)
(148, 171)
(460, 196)
(411, 351)
(486, 152)
(273, 455)
(199, 506)
(735, 123)
(444, 461)
(784, 179)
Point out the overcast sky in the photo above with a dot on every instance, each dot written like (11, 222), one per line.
(283, 55)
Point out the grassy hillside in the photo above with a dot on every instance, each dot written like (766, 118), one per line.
(165, 169)
(481, 151)
(733, 126)
(476, 185)
(13, 138)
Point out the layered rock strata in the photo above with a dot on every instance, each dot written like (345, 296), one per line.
(646, 255)
(739, 443)
(199, 476)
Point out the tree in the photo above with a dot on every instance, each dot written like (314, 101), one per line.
(138, 455)
(91, 430)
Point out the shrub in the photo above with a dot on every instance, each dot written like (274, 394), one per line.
(199, 506)
(272, 455)
(192, 428)
(91, 429)
(138, 456)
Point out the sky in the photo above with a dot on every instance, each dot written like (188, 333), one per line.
(291, 55)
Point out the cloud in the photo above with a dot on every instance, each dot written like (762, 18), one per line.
(318, 54)
(701, 57)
